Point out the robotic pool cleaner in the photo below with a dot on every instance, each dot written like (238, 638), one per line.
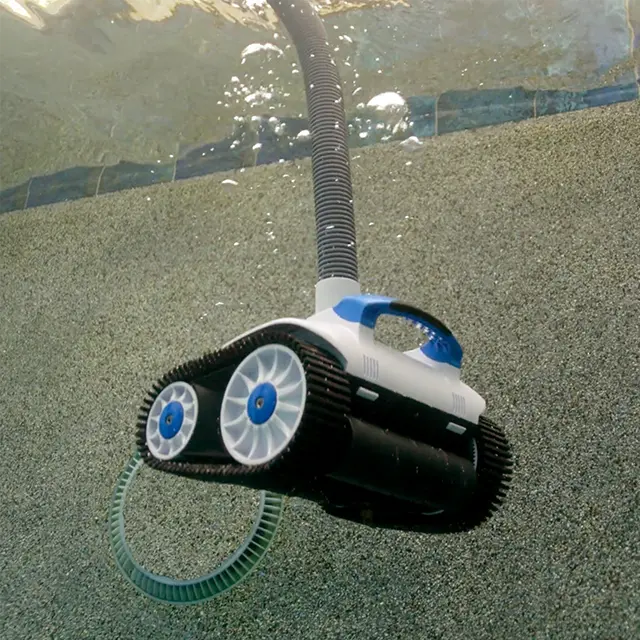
(317, 408)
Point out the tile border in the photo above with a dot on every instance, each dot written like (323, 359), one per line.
(427, 116)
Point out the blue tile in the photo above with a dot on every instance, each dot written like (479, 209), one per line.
(284, 146)
(603, 96)
(213, 157)
(14, 198)
(458, 110)
(553, 101)
(558, 101)
(422, 113)
(126, 175)
(70, 184)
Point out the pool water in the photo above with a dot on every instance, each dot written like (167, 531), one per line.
(94, 85)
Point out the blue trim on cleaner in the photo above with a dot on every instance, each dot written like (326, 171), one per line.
(364, 309)
(441, 346)
(171, 420)
(446, 349)
(262, 403)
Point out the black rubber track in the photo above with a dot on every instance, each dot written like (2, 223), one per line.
(323, 432)
(494, 468)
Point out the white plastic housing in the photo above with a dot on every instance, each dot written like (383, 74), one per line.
(410, 373)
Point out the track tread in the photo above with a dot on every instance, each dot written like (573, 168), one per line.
(324, 425)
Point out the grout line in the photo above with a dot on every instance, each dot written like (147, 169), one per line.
(26, 198)
(175, 164)
(99, 179)
(632, 37)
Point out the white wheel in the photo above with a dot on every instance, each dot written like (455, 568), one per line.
(171, 421)
(263, 404)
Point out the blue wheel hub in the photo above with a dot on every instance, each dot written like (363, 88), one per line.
(171, 419)
(262, 403)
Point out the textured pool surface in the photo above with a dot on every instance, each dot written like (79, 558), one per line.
(514, 219)
(523, 238)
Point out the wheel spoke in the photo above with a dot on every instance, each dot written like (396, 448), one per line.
(261, 443)
(287, 407)
(279, 432)
(271, 375)
(241, 419)
(261, 370)
(269, 440)
(281, 425)
(249, 383)
(190, 410)
(279, 370)
(285, 374)
(290, 389)
(245, 435)
(157, 409)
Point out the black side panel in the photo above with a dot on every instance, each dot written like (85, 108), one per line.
(410, 418)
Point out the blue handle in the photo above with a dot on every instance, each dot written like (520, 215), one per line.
(365, 309)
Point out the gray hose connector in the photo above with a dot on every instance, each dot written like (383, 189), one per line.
(335, 223)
